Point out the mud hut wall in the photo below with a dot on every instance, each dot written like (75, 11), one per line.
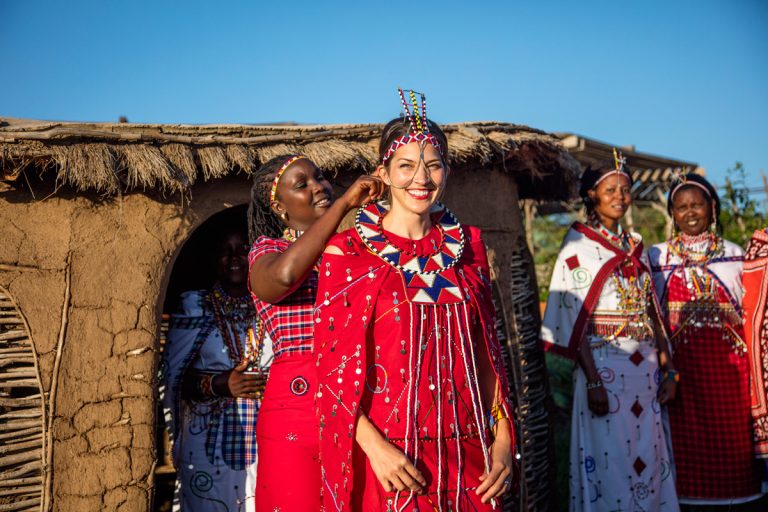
(488, 199)
(112, 258)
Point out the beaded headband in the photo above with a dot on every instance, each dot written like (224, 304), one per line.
(419, 130)
(684, 181)
(279, 174)
(620, 161)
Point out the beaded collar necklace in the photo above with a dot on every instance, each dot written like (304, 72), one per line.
(620, 240)
(685, 247)
(228, 311)
(368, 224)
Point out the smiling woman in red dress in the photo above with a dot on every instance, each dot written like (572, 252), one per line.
(697, 277)
(292, 198)
(413, 401)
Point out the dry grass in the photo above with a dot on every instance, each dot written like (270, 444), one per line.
(110, 158)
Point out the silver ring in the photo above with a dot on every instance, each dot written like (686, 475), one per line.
(507, 482)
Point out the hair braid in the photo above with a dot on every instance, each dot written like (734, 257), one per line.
(261, 219)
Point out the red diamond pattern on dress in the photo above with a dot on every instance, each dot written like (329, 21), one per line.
(637, 358)
(636, 409)
(639, 466)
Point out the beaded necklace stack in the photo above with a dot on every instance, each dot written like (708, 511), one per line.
(704, 309)
(633, 291)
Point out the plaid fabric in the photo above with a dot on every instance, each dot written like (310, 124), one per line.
(289, 322)
(238, 436)
(710, 418)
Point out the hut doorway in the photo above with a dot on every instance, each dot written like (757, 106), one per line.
(193, 269)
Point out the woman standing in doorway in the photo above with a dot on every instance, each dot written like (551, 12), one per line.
(214, 367)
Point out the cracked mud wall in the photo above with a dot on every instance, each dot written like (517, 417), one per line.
(111, 259)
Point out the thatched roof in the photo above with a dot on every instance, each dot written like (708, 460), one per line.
(111, 158)
(651, 174)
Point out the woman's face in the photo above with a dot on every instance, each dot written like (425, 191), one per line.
(691, 210)
(232, 260)
(416, 175)
(612, 197)
(303, 195)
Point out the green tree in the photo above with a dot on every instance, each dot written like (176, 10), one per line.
(741, 214)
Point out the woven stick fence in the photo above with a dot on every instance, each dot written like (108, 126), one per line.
(22, 415)
(518, 332)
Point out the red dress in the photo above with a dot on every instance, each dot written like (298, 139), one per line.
(288, 470)
(710, 417)
(402, 347)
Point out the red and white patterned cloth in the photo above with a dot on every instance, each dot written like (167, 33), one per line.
(756, 333)
(288, 322)
(710, 419)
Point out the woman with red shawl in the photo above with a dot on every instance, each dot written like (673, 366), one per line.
(413, 403)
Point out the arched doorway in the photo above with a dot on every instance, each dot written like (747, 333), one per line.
(192, 270)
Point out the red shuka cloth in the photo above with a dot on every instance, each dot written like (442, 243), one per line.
(382, 351)
(710, 420)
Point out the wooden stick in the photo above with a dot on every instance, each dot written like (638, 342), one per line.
(16, 433)
(48, 467)
(10, 267)
(8, 448)
(19, 505)
(21, 481)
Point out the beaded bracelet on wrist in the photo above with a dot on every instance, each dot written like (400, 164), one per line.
(594, 385)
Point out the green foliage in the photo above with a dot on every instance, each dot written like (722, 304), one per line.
(548, 234)
(741, 214)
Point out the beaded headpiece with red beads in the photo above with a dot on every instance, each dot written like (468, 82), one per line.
(419, 131)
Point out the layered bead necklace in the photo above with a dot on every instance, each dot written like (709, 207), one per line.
(632, 292)
(230, 314)
(703, 309)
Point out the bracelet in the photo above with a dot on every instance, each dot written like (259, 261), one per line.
(496, 413)
(206, 386)
(594, 385)
(672, 375)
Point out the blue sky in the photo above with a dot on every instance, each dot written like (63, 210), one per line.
(686, 79)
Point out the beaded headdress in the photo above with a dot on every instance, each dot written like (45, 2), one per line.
(419, 125)
(279, 174)
(682, 179)
(620, 161)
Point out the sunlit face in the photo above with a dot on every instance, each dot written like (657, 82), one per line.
(692, 210)
(612, 197)
(303, 194)
(232, 260)
(416, 175)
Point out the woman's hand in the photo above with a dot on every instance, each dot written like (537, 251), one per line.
(597, 399)
(667, 391)
(499, 479)
(364, 190)
(239, 383)
(392, 468)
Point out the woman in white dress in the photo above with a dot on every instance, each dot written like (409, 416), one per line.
(601, 312)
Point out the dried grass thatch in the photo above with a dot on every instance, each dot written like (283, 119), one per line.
(112, 158)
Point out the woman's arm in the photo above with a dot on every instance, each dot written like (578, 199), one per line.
(597, 396)
(275, 276)
(668, 385)
(497, 481)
